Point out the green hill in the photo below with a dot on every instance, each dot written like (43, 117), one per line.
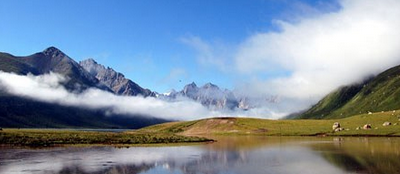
(381, 93)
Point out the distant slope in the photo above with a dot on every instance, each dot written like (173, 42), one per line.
(381, 93)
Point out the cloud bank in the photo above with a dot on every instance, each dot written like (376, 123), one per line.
(48, 88)
(324, 52)
(315, 53)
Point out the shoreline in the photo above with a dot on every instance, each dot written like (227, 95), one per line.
(51, 138)
(44, 138)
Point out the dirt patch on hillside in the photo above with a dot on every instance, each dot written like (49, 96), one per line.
(213, 125)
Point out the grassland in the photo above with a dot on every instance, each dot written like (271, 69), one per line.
(45, 137)
(191, 131)
(306, 127)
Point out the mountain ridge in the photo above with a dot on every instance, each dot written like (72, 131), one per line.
(209, 95)
(114, 80)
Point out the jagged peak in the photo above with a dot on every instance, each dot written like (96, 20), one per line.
(190, 88)
(53, 51)
(210, 85)
(192, 84)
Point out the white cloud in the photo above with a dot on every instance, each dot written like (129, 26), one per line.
(213, 54)
(326, 51)
(313, 53)
(47, 88)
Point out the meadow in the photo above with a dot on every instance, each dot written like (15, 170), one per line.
(301, 127)
(194, 131)
(54, 137)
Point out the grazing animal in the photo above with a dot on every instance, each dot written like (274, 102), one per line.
(387, 123)
(367, 126)
(335, 125)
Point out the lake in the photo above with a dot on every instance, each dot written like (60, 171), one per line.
(230, 155)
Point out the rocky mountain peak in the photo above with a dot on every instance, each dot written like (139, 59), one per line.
(53, 52)
(190, 89)
(192, 85)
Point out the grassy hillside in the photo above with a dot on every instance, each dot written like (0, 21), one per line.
(332, 102)
(382, 93)
(305, 127)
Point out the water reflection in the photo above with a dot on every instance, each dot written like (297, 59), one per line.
(236, 155)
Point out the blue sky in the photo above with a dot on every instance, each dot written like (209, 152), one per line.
(157, 44)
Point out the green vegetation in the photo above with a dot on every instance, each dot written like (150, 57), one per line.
(382, 93)
(43, 137)
(184, 132)
(304, 127)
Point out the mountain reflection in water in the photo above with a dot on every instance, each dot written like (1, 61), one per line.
(236, 155)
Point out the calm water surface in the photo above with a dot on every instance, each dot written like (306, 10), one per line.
(236, 155)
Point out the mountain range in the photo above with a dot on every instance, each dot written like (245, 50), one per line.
(17, 111)
(24, 112)
(209, 95)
